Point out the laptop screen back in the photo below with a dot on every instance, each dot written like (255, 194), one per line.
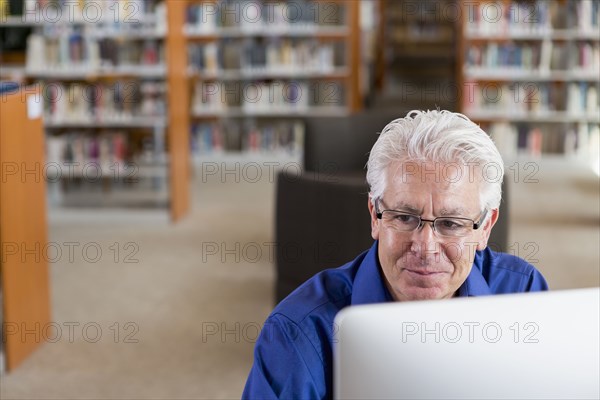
(533, 345)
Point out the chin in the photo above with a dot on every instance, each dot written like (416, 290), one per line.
(414, 293)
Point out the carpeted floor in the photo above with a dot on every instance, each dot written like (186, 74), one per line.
(172, 311)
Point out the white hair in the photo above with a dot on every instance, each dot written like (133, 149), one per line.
(439, 137)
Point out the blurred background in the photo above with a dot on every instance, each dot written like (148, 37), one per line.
(170, 170)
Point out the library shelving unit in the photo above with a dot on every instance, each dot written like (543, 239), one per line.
(24, 275)
(256, 69)
(107, 77)
(417, 58)
(529, 73)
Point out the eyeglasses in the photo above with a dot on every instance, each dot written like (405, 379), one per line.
(444, 226)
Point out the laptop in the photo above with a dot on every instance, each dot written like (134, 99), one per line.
(542, 345)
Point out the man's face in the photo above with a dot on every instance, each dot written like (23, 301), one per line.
(422, 264)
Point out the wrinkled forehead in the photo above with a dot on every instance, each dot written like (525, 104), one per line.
(451, 186)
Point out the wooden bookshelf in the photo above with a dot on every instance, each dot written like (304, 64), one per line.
(135, 55)
(220, 60)
(338, 85)
(417, 57)
(178, 131)
(530, 76)
(23, 224)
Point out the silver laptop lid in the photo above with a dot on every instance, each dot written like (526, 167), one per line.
(532, 345)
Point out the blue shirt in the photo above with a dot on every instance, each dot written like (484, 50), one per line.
(293, 354)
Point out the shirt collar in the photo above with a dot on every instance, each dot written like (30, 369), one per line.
(475, 284)
(369, 286)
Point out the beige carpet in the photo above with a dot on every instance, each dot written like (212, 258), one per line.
(176, 302)
(177, 326)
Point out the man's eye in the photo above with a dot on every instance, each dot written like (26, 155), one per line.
(405, 218)
(452, 224)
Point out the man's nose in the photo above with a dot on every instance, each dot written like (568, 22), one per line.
(425, 240)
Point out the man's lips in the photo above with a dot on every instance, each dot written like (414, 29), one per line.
(423, 272)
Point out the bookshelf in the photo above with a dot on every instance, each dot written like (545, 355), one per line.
(111, 87)
(256, 69)
(178, 112)
(529, 73)
(418, 55)
(131, 87)
(24, 276)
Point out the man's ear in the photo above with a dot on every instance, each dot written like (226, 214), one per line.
(374, 220)
(486, 229)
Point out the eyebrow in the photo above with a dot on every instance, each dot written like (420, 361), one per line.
(406, 207)
(453, 211)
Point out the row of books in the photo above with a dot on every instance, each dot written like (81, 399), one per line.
(539, 16)
(273, 54)
(544, 56)
(526, 98)
(111, 14)
(77, 50)
(103, 101)
(80, 150)
(113, 52)
(255, 14)
(265, 96)
(538, 139)
(107, 152)
(275, 137)
(583, 96)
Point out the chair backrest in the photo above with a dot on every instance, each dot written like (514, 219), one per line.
(321, 222)
(342, 144)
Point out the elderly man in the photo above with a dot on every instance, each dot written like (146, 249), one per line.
(435, 188)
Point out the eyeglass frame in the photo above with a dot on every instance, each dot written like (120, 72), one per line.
(476, 225)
